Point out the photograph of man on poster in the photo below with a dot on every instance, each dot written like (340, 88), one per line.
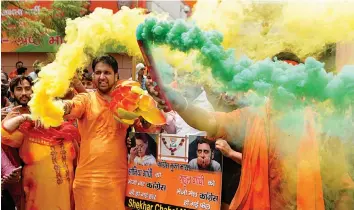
(205, 156)
(173, 148)
(142, 149)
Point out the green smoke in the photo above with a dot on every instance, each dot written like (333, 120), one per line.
(290, 89)
(282, 82)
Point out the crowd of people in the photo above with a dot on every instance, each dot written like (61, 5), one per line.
(83, 161)
(82, 164)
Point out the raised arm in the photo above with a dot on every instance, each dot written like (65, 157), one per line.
(78, 86)
(75, 108)
(216, 124)
(12, 124)
(227, 151)
(196, 117)
(236, 156)
(199, 119)
(9, 130)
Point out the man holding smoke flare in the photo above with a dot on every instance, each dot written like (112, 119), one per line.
(101, 174)
(266, 181)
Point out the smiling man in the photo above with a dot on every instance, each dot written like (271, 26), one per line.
(21, 90)
(101, 173)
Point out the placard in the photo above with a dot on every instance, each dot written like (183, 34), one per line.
(170, 172)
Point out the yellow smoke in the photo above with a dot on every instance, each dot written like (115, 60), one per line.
(86, 37)
(261, 30)
(184, 65)
(225, 16)
(179, 60)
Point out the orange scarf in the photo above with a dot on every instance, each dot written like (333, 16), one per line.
(51, 136)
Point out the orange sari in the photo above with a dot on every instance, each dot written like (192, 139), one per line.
(261, 185)
(15, 189)
(48, 156)
(309, 180)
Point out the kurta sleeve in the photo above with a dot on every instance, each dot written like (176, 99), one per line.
(78, 106)
(229, 125)
(12, 139)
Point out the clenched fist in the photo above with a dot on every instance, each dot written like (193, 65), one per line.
(224, 147)
(178, 102)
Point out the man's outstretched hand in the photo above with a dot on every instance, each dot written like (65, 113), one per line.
(196, 117)
(177, 101)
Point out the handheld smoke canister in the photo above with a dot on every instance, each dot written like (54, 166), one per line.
(150, 66)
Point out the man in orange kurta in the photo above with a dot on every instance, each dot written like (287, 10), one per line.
(273, 176)
(101, 174)
(266, 183)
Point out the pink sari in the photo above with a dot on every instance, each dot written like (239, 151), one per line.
(6, 166)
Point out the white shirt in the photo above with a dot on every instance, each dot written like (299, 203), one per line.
(147, 160)
(33, 75)
(182, 128)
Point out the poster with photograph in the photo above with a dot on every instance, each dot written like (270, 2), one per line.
(170, 172)
(173, 148)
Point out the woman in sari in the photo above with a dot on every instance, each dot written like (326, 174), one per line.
(48, 155)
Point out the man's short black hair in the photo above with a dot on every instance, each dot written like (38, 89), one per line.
(107, 59)
(87, 76)
(17, 80)
(21, 70)
(18, 62)
(287, 56)
(202, 140)
(7, 76)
